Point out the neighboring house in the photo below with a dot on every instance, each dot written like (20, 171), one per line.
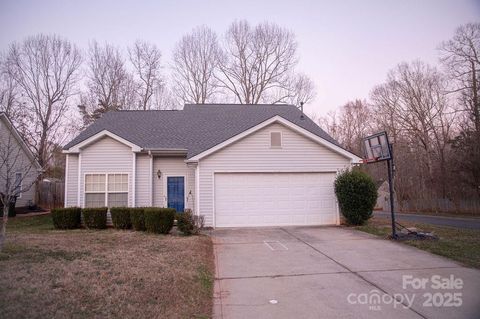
(21, 160)
(383, 199)
(238, 165)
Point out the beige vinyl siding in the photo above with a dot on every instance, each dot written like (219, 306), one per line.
(23, 162)
(173, 166)
(142, 186)
(71, 180)
(106, 156)
(28, 196)
(255, 154)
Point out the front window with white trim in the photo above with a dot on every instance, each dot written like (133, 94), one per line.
(109, 190)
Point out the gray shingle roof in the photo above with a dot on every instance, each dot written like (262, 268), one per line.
(196, 128)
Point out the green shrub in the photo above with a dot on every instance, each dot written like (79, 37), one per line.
(159, 220)
(66, 218)
(95, 218)
(121, 217)
(188, 223)
(137, 218)
(357, 195)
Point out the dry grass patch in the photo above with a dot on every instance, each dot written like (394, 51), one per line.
(46, 273)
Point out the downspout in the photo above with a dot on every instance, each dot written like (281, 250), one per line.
(66, 182)
(197, 189)
(134, 178)
(151, 178)
(79, 202)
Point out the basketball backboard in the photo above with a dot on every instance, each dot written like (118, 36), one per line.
(376, 148)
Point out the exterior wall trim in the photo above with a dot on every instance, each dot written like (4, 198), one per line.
(79, 203)
(134, 176)
(150, 180)
(65, 196)
(197, 189)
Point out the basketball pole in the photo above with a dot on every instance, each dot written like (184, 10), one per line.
(390, 186)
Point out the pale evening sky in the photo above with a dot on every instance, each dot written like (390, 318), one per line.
(346, 47)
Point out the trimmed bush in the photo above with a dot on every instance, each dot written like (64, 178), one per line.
(159, 220)
(121, 217)
(137, 218)
(66, 218)
(95, 218)
(357, 195)
(188, 223)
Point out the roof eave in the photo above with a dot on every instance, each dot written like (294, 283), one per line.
(76, 148)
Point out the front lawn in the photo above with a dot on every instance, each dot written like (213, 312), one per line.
(47, 273)
(462, 245)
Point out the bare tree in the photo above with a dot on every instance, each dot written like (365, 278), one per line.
(258, 62)
(412, 103)
(45, 68)
(18, 172)
(9, 94)
(350, 125)
(110, 85)
(195, 60)
(331, 123)
(461, 59)
(165, 99)
(145, 58)
(299, 88)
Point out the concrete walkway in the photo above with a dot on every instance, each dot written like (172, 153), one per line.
(334, 272)
(458, 222)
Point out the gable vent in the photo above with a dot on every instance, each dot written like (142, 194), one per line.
(276, 139)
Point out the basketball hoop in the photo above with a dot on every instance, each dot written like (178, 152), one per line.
(369, 160)
(376, 149)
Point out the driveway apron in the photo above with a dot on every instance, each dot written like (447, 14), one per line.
(335, 272)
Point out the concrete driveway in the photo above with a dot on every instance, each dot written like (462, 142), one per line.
(335, 272)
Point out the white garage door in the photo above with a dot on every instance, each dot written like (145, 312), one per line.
(274, 199)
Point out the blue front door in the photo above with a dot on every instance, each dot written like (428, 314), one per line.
(176, 193)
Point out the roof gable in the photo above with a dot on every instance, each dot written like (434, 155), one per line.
(277, 119)
(4, 119)
(105, 133)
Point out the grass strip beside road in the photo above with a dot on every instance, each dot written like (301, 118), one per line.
(462, 245)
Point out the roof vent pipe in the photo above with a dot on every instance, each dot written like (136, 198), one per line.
(301, 109)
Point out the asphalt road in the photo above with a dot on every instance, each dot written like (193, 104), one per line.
(458, 222)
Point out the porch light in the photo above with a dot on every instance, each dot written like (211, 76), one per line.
(159, 173)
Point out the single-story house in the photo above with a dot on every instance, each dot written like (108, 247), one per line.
(237, 165)
(17, 163)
